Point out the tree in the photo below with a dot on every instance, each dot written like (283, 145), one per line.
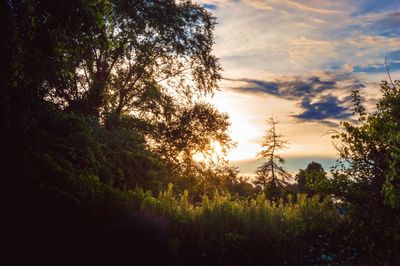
(312, 180)
(191, 131)
(139, 55)
(242, 187)
(271, 176)
(140, 65)
(371, 149)
(368, 177)
(150, 63)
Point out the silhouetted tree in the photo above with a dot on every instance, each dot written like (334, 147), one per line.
(242, 187)
(271, 176)
(191, 131)
(139, 65)
(131, 56)
(368, 176)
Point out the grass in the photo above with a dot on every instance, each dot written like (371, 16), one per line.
(224, 230)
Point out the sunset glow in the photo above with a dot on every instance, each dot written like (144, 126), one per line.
(299, 61)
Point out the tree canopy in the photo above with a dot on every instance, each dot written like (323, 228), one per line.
(142, 65)
(368, 177)
(370, 149)
(312, 180)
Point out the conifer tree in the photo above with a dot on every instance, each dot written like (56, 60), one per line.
(271, 175)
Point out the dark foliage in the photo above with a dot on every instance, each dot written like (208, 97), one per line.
(312, 180)
(368, 179)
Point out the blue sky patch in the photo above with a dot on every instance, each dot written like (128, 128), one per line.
(375, 6)
(210, 6)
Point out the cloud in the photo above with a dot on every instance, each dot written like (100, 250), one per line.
(386, 25)
(321, 99)
(378, 68)
(259, 4)
(393, 63)
(288, 88)
(305, 7)
(290, 5)
(302, 50)
(329, 107)
(290, 37)
(300, 39)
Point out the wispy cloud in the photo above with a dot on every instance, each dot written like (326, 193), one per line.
(384, 25)
(260, 4)
(310, 8)
(290, 37)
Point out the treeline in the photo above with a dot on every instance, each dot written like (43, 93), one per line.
(102, 106)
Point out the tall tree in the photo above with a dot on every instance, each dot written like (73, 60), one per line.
(150, 63)
(271, 175)
(368, 178)
(138, 55)
(371, 150)
(138, 64)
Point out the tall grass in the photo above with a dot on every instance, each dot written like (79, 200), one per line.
(223, 230)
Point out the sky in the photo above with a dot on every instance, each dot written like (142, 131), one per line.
(298, 61)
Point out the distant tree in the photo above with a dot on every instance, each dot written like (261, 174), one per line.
(271, 176)
(312, 180)
(242, 187)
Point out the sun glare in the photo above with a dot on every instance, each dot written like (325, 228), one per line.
(214, 154)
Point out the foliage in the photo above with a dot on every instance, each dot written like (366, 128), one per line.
(368, 179)
(193, 131)
(241, 186)
(128, 161)
(226, 231)
(148, 62)
(312, 180)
